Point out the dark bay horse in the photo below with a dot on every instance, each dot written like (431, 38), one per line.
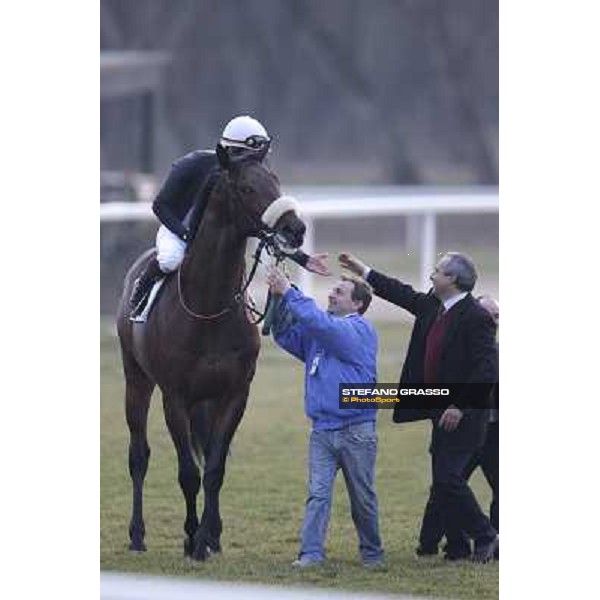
(199, 347)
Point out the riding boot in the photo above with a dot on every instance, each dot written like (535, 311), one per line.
(143, 284)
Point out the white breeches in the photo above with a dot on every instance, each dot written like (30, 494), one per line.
(169, 249)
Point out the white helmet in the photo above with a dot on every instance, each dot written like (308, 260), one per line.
(244, 132)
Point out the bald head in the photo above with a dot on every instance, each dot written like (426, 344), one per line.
(491, 305)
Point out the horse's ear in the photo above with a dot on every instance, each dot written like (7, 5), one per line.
(223, 157)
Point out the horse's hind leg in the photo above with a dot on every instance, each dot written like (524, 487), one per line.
(138, 390)
(178, 424)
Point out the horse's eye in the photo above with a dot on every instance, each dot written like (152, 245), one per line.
(246, 189)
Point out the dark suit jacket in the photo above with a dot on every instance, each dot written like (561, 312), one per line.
(469, 352)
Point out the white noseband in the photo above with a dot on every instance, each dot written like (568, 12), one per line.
(279, 207)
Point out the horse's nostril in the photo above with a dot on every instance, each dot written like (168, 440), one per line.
(297, 231)
(294, 231)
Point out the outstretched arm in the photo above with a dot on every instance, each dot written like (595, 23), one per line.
(289, 334)
(316, 263)
(338, 335)
(385, 287)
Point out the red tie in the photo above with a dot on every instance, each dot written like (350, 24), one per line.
(433, 346)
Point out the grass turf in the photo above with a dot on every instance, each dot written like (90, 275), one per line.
(262, 500)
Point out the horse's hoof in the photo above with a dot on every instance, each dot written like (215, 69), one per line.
(137, 547)
(187, 547)
(201, 553)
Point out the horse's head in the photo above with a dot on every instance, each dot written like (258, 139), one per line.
(259, 206)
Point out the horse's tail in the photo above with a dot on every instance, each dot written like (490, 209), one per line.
(200, 432)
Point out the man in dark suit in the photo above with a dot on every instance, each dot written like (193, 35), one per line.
(487, 457)
(453, 341)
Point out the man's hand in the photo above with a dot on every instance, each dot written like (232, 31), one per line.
(352, 264)
(318, 264)
(279, 284)
(450, 419)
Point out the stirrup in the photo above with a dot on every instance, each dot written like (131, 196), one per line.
(135, 315)
(142, 310)
(138, 307)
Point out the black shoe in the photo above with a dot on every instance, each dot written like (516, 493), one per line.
(466, 555)
(142, 286)
(486, 551)
(424, 551)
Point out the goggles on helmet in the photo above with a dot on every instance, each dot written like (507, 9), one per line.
(253, 142)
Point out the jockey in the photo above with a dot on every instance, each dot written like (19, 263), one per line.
(179, 204)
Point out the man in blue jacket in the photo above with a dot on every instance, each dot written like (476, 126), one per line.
(337, 345)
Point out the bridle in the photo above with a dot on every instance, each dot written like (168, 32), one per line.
(270, 241)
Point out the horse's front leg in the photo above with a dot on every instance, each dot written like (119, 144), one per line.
(178, 424)
(208, 535)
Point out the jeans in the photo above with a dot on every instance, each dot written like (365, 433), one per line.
(352, 448)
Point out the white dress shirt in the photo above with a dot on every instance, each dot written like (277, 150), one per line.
(450, 302)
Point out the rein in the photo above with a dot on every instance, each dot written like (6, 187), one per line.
(189, 311)
(267, 242)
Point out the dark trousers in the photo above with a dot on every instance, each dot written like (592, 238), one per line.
(488, 459)
(452, 508)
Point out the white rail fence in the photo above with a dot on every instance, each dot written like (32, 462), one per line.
(352, 203)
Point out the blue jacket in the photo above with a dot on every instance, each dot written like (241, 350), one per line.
(334, 350)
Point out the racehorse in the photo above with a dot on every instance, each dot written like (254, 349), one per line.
(199, 346)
